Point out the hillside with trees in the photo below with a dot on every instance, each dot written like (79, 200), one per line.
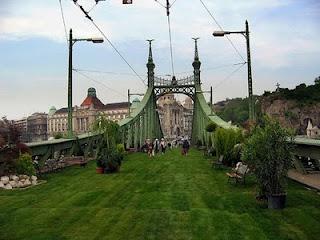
(293, 108)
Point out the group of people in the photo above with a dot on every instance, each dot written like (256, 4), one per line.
(156, 146)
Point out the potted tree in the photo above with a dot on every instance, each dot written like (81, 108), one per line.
(100, 165)
(268, 151)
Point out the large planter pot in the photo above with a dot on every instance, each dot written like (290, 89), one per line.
(277, 201)
(99, 170)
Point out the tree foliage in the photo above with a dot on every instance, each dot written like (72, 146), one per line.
(110, 153)
(211, 127)
(25, 165)
(109, 129)
(225, 141)
(268, 152)
(10, 147)
(235, 110)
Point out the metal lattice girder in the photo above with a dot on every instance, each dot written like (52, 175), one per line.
(188, 90)
(144, 121)
(202, 115)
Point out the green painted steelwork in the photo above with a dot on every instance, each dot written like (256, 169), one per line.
(144, 121)
(52, 148)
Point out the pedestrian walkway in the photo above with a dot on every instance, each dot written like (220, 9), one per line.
(311, 180)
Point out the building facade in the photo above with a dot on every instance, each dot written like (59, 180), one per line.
(21, 124)
(37, 127)
(175, 118)
(83, 116)
(33, 128)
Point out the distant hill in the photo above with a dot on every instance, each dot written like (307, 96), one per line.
(293, 108)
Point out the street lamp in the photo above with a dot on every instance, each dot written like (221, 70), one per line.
(246, 35)
(71, 42)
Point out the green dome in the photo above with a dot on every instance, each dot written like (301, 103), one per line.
(92, 92)
(52, 110)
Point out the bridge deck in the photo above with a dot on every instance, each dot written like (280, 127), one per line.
(167, 197)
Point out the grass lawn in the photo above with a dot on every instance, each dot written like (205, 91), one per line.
(169, 197)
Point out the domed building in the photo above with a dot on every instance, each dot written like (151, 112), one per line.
(83, 116)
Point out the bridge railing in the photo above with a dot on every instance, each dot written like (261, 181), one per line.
(159, 81)
(56, 147)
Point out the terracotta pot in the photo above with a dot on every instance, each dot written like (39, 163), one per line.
(99, 170)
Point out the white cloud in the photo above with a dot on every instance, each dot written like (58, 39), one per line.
(277, 41)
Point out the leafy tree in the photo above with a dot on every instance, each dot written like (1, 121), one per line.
(317, 81)
(109, 129)
(10, 146)
(268, 151)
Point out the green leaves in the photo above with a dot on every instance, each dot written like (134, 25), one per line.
(225, 141)
(268, 150)
(25, 165)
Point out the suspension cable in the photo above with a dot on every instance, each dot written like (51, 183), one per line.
(217, 23)
(109, 41)
(63, 21)
(104, 72)
(171, 51)
(96, 81)
(228, 76)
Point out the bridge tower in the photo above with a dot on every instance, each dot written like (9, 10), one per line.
(196, 63)
(151, 66)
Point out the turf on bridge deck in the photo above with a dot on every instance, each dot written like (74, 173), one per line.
(167, 197)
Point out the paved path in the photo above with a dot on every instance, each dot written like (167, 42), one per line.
(311, 179)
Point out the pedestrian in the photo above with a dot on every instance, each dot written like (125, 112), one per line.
(149, 147)
(155, 149)
(185, 147)
(163, 146)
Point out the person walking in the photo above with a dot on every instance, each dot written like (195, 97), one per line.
(163, 146)
(155, 147)
(149, 147)
(185, 147)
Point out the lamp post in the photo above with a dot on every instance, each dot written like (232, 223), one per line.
(250, 91)
(71, 42)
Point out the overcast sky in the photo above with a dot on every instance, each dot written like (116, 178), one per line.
(285, 45)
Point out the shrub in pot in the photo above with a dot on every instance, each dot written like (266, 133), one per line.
(100, 165)
(113, 162)
(268, 151)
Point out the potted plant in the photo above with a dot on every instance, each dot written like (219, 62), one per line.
(114, 160)
(268, 151)
(100, 165)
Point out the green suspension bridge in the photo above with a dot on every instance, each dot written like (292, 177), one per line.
(144, 121)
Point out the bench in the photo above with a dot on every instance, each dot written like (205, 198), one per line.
(131, 150)
(238, 175)
(76, 160)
